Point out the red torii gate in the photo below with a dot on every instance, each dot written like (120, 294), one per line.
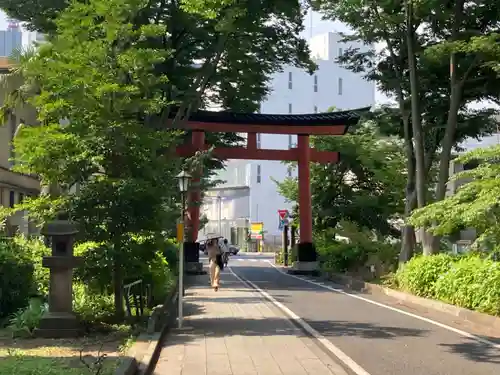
(333, 123)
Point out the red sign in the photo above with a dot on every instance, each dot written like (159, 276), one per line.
(283, 214)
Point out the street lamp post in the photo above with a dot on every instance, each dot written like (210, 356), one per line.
(184, 178)
(219, 206)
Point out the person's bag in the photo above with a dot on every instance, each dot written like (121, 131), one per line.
(219, 261)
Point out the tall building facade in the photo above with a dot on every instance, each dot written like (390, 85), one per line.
(10, 39)
(294, 91)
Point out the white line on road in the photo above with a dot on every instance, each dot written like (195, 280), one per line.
(344, 358)
(427, 320)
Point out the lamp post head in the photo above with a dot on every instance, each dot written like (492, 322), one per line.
(184, 179)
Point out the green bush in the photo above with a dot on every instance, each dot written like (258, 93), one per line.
(357, 254)
(170, 250)
(143, 258)
(24, 321)
(17, 282)
(162, 278)
(92, 307)
(420, 274)
(34, 249)
(279, 257)
(472, 282)
(342, 257)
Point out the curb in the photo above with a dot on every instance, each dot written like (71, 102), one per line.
(474, 317)
(141, 358)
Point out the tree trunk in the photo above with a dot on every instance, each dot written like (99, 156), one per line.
(407, 232)
(408, 241)
(418, 133)
(118, 282)
(445, 156)
(456, 90)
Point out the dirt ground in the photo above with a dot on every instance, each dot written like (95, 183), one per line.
(36, 356)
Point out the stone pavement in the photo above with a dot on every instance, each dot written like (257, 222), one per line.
(235, 331)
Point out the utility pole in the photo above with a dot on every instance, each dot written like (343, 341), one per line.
(219, 203)
(285, 245)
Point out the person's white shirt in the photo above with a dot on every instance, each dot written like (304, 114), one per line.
(223, 246)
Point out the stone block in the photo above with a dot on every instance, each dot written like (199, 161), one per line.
(59, 325)
(304, 268)
(194, 268)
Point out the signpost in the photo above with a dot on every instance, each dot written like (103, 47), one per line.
(256, 230)
(180, 232)
(257, 233)
(284, 218)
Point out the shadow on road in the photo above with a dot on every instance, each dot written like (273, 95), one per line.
(363, 330)
(475, 351)
(228, 326)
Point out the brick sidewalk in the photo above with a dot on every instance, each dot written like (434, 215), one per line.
(236, 332)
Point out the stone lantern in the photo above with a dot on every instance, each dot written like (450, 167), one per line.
(59, 321)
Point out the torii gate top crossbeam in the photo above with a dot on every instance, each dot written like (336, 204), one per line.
(332, 123)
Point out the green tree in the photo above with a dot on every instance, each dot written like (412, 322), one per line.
(408, 53)
(474, 205)
(96, 72)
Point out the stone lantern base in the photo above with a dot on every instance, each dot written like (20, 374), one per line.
(59, 325)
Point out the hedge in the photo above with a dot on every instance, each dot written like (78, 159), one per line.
(17, 283)
(471, 281)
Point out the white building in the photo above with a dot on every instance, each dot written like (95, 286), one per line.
(33, 38)
(249, 193)
(10, 39)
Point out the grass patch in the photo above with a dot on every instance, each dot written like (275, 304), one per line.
(78, 356)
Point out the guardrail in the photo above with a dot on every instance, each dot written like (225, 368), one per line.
(137, 295)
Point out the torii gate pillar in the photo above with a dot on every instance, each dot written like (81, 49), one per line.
(191, 247)
(307, 257)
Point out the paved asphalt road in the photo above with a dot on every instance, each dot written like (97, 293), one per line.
(381, 341)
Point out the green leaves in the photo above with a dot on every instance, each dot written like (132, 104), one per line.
(474, 205)
(50, 152)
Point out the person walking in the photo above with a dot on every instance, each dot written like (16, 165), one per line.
(225, 251)
(214, 256)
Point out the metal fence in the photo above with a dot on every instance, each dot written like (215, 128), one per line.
(137, 295)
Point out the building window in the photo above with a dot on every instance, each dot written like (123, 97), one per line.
(340, 86)
(289, 171)
(315, 83)
(12, 198)
(290, 108)
(290, 144)
(21, 197)
(341, 52)
(259, 177)
(258, 140)
(315, 109)
(290, 80)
